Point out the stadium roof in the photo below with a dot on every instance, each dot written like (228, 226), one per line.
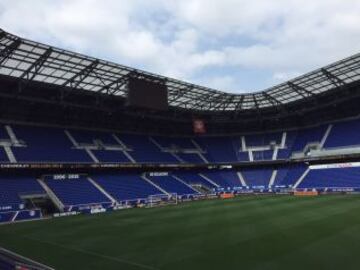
(28, 60)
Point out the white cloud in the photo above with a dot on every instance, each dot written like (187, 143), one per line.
(282, 38)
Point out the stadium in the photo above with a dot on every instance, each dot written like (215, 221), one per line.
(104, 166)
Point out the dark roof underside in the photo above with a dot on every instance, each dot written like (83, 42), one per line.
(28, 60)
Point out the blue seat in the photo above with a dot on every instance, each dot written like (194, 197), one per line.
(126, 187)
(172, 185)
(11, 188)
(46, 145)
(194, 178)
(287, 177)
(76, 191)
(225, 178)
(332, 178)
(257, 177)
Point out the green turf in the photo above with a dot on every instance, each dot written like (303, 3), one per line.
(280, 232)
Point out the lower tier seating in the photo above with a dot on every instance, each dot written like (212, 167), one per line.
(172, 185)
(99, 188)
(257, 177)
(12, 188)
(332, 178)
(126, 187)
(287, 177)
(226, 179)
(76, 191)
(193, 178)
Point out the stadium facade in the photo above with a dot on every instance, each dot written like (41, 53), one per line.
(73, 141)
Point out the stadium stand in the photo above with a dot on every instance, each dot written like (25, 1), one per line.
(3, 155)
(344, 134)
(13, 188)
(193, 178)
(287, 177)
(126, 187)
(263, 155)
(69, 114)
(219, 149)
(173, 142)
(190, 158)
(262, 139)
(348, 177)
(257, 178)
(144, 150)
(171, 184)
(3, 133)
(46, 145)
(111, 156)
(92, 137)
(225, 179)
(306, 136)
(76, 192)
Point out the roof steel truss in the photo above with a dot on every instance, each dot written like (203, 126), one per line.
(28, 60)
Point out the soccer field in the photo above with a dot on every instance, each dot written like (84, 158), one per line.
(267, 232)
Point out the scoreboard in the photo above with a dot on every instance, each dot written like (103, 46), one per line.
(147, 92)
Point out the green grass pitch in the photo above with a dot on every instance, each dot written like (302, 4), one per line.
(267, 232)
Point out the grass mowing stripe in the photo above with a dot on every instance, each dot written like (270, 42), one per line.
(87, 252)
(269, 232)
(262, 242)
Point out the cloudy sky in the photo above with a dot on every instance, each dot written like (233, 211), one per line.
(231, 45)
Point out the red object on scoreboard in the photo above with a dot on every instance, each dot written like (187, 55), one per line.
(199, 126)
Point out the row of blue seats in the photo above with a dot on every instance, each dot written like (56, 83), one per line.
(332, 178)
(124, 187)
(45, 144)
(127, 187)
(78, 191)
(13, 188)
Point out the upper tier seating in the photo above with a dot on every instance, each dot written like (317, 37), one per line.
(46, 145)
(11, 188)
(190, 158)
(344, 134)
(242, 156)
(286, 152)
(3, 156)
(144, 150)
(126, 187)
(172, 185)
(224, 178)
(3, 133)
(170, 142)
(262, 139)
(257, 177)
(306, 136)
(334, 177)
(111, 156)
(79, 191)
(263, 155)
(89, 137)
(219, 149)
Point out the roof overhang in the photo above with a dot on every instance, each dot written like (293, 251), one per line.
(27, 61)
